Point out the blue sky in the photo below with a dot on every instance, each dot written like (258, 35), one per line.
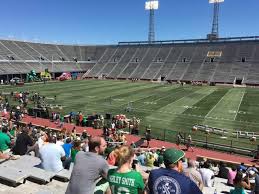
(108, 22)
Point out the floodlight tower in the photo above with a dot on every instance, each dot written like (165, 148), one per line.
(151, 5)
(215, 25)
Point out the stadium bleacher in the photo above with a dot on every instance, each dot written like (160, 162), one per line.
(176, 61)
(144, 64)
(122, 63)
(101, 63)
(136, 59)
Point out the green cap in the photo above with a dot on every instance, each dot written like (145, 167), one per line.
(171, 156)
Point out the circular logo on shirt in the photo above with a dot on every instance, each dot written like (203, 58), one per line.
(166, 185)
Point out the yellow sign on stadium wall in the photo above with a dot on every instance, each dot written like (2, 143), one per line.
(214, 54)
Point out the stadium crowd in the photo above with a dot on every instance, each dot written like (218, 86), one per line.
(101, 166)
(109, 164)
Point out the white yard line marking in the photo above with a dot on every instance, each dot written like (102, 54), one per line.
(253, 124)
(167, 95)
(175, 102)
(239, 105)
(216, 104)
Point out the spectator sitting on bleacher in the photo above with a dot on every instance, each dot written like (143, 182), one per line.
(13, 131)
(194, 174)
(133, 145)
(67, 146)
(5, 122)
(112, 156)
(75, 149)
(231, 176)
(88, 167)
(241, 182)
(85, 144)
(185, 163)
(256, 187)
(125, 179)
(215, 168)
(122, 138)
(241, 167)
(22, 142)
(51, 155)
(150, 159)
(223, 170)
(141, 157)
(73, 133)
(155, 154)
(60, 140)
(207, 175)
(166, 180)
(42, 140)
(5, 141)
(160, 159)
(253, 169)
(84, 135)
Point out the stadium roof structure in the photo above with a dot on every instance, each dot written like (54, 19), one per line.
(228, 39)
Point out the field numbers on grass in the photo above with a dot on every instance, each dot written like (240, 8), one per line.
(150, 103)
(118, 99)
(191, 107)
(239, 112)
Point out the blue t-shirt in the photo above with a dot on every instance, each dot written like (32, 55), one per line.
(141, 159)
(67, 148)
(169, 181)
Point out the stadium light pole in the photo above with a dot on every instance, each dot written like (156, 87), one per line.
(215, 24)
(151, 6)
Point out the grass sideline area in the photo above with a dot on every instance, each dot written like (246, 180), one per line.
(167, 108)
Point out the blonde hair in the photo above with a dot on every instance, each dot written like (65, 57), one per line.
(124, 154)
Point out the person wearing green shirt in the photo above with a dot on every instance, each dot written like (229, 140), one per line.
(160, 159)
(133, 145)
(13, 131)
(5, 140)
(125, 180)
(75, 149)
(84, 123)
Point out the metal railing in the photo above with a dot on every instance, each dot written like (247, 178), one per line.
(209, 141)
(184, 41)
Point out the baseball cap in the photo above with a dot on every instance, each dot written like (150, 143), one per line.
(171, 155)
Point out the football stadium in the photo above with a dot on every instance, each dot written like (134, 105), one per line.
(198, 97)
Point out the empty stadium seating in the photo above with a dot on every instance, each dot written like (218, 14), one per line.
(190, 60)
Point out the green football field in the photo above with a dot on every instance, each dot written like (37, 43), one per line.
(166, 108)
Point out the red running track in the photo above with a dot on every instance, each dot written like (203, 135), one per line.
(198, 152)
